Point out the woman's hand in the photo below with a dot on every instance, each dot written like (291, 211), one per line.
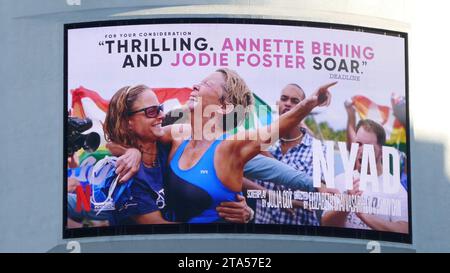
(348, 104)
(128, 164)
(236, 212)
(322, 97)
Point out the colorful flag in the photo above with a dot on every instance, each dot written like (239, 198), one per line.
(172, 98)
(395, 132)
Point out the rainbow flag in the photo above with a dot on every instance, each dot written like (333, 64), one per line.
(83, 100)
(395, 132)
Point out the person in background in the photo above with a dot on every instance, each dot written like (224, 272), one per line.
(372, 133)
(294, 149)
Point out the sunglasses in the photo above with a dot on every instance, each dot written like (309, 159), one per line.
(150, 112)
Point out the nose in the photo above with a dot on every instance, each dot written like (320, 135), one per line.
(161, 115)
(286, 107)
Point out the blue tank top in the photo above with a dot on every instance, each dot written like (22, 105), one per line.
(193, 194)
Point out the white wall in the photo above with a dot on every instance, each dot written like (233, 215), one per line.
(31, 75)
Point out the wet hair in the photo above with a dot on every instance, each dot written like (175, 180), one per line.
(115, 126)
(239, 95)
(373, 127)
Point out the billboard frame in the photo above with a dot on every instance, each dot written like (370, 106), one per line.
(252, 228)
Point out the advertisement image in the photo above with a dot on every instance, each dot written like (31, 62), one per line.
(280, 126)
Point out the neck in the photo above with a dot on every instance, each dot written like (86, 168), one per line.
(149, 152)
(147, 146)
(293, 134)
(204, 129)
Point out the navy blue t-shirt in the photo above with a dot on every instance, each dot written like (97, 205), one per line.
(145, 194)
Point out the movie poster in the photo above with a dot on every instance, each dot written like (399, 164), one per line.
(199, 123)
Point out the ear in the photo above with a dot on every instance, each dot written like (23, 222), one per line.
(130, 125)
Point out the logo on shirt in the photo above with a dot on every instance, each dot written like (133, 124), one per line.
(203, 171)
(127, 205)
(161, 201)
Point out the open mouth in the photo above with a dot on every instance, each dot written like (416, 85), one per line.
(157, 124)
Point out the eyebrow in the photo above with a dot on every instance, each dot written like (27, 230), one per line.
(285, 96)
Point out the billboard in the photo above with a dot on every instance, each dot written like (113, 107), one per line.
(236, 125)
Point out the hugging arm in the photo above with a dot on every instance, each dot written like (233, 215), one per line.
(236, 212)
(128, 161)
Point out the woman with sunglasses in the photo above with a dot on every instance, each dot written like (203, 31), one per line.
(205, 169)
(134, 120)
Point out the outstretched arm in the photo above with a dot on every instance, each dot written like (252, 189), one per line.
(251, 142)
(269, 169)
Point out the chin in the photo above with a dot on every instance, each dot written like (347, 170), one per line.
(159, 133)
(191, 105)
(195, 105)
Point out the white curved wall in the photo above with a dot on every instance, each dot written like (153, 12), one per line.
(32, 74)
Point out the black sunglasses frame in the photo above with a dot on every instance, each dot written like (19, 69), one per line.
(159, 108)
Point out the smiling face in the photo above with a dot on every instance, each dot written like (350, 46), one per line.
(224, 96)
(144, 127)
(210, 90)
